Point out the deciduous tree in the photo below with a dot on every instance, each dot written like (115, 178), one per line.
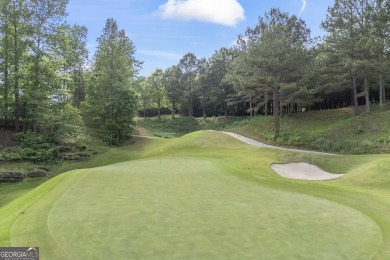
(111, 100)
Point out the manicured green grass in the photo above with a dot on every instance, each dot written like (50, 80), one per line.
(205, 195)
(145, 208)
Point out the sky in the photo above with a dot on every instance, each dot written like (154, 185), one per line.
(163, 31)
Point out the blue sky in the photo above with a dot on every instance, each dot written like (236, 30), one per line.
(164, 30)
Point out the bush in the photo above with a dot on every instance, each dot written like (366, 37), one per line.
(27, 153)
(11, 155)
(175, 127)
(11, 177)
(37, 173)
(367, 144)
(384, 140)
(33, 140)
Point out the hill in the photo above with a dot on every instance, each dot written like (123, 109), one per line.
(336, 130)
(205, 195)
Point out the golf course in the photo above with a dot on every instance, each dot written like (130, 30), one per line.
(205, 195)
(190, 129)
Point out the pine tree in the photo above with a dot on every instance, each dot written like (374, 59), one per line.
(276, 53)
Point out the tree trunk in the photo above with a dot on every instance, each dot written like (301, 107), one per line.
(266, 103)
(173, 110)
(16, 92)
(17, 110)
(381, 82)
(190, 109)
(355, 98)
(276, 114)
(281, 107)
(5, 72)
(6, 87)
(16, 78)
(159, 111)
(367, 94)
(251, 106)
(204, 107)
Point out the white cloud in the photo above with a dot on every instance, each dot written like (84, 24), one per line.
(225, 12)
(303, 7)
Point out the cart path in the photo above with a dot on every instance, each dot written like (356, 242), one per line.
(258, 144)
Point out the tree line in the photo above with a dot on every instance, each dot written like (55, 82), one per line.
(49, 89)
(278, 68)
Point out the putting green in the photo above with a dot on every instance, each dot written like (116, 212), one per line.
(187, 208)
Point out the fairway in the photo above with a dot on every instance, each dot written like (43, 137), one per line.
(188, 208)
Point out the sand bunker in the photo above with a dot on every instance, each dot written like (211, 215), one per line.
(303, 171)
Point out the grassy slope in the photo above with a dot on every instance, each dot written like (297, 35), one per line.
(365, 188)
(9, 192)
(331, 130)
(335, 130)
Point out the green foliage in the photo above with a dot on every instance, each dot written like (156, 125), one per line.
(170, 128)
(111, 102)
(172, 77)
(63, 125)
(359, 130)
(35, 147)
(157, 89)
(190, 67)
(177, 127)
(40, 56)
(209, 122)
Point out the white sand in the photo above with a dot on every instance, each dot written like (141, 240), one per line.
(303, 171)
(300, 171)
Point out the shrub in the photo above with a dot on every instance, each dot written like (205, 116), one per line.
(11, 177)
(37, 173)
(359, 130)
(28, 153)
(384, 140)
(33, 140)
(367, 144)
(175, 127)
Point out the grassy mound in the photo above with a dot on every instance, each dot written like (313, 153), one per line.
(205, 195)
(336, 130)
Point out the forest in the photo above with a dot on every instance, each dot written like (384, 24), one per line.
(52, 93)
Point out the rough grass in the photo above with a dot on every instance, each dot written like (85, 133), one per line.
(336, 130)
(331, 130)
(170, 128)
(9, 192)
(233, 206)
